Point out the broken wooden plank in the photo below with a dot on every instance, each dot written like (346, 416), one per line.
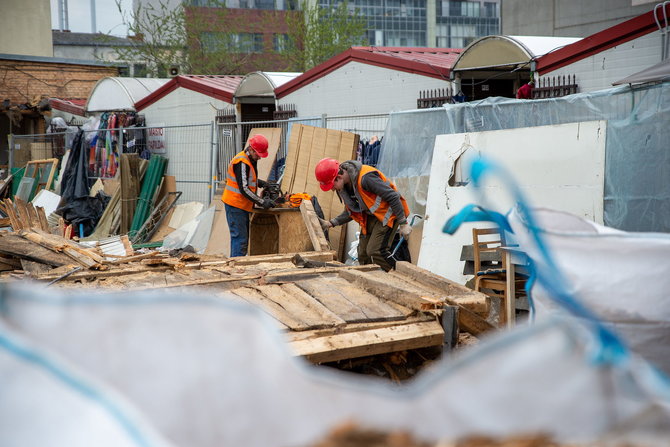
(357, 327)
(402, 296)
(311, 220)
(350, 303)
(15, 245)
(58, 244)
(256, 297)
(303, 273)
(42, 217)
(13, 217)
(370, 342)
(324, 256)
(134, 258)
(301, 305)
(34, 268)
(467, 319)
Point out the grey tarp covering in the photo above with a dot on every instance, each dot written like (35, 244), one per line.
(637, 160)
(655, 73)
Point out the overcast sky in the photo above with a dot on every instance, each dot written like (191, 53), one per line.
(107, 16)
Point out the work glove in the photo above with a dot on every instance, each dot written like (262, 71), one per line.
(267, 204)
(405, 230)
(325, 225)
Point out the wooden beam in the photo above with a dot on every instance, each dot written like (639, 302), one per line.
(404, 297)
(370, 342)
(467, 319)
(311, 220)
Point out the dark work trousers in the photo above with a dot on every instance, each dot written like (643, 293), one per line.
(238, 223)
(375, 246)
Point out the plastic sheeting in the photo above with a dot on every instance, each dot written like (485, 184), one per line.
(208, 373)
(637, 180)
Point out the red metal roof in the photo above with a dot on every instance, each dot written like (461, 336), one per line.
(74, 106)
(432, 62)
(596, 43)
(217, 86)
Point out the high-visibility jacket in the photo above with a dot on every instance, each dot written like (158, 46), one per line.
(231, 194)
(380, 208)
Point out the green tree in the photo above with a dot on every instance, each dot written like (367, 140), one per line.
(319, 33)
(195, 39)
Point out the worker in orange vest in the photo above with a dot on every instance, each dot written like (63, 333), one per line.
(371, 200)
(239, 195)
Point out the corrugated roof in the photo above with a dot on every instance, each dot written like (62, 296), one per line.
(221, 87)
(598, 42)
(431, 62)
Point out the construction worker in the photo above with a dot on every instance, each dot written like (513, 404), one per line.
(239, 196)
(371, 200)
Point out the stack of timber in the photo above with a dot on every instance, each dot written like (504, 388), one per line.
(329, 311)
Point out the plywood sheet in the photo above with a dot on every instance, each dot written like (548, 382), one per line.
(307, 146)
(219, 240)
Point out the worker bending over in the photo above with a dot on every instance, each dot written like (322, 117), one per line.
(239, 196)
(371, 200)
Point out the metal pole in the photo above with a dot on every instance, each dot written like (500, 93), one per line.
(212, 162)
(10, 162)
(94, 28)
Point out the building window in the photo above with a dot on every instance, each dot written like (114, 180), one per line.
(490, 9)
(233, 42)
(280, 42)
(139, 70)
(247, 42)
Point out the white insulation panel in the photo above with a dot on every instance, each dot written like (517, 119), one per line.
(558, 166)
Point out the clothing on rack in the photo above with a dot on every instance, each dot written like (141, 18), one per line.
(368, 151)
(104, 150)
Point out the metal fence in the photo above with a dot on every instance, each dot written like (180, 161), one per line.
(198, 154)
(190, 150)
(231, 136)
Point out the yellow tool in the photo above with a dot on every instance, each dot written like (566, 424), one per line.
(294, 200)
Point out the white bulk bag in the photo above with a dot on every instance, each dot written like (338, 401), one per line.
(46, 402)
(208, 373)
(623, 277)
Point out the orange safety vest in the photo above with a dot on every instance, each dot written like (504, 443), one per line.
(374, 203)
(231, 194)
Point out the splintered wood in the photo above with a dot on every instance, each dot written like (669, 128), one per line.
(329, 311)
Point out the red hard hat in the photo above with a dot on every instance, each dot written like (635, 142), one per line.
(326, 170)
(259, 144)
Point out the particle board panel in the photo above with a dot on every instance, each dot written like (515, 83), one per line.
(302, 163)
(279, 230)
(370, 342)
(273, 134)
(292, 158)
(351, 303)
(219, 239)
